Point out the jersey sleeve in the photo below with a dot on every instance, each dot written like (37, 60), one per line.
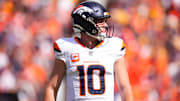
(58, 51)
(121, 50)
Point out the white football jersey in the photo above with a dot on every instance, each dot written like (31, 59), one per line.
(89, 72)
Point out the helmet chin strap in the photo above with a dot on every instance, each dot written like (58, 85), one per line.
(100, 37)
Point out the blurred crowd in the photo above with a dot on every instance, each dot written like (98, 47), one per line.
(150, 29)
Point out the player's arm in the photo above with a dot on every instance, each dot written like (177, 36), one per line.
(123, 79)
(55, 80)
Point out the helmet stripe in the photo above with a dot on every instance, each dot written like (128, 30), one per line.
(77, 7)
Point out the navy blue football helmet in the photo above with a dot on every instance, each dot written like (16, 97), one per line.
(84, 18)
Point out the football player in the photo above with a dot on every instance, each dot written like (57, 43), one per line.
(89, 61)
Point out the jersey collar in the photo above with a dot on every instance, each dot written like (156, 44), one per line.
(77, 40)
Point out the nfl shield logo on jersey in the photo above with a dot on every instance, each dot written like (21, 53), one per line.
(74, 57)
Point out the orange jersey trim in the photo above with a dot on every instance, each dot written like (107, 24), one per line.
(91, 62)
(98, 45)
(56, 47)
(75, 38)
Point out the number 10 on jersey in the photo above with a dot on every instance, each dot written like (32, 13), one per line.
(90, 73)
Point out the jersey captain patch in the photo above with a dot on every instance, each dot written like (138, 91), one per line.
(74, 57)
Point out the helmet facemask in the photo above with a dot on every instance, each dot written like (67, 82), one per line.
(105, 30)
